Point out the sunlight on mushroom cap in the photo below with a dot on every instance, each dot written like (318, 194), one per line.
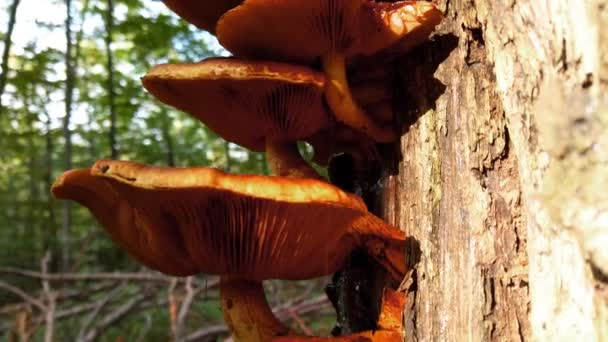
(256, 227)
(303, 30)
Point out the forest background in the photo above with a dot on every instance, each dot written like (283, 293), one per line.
(70, 93)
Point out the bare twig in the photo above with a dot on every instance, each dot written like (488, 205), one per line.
(140, 276)
(282, 313)
(144, 331)
(85, 307)
(80, 310)
(96, 310)
(213, 330)
(294, 315)
(114, 316)
(62, 294)
(17, 291)
(184, 309)
(172, 307)
(50, 296)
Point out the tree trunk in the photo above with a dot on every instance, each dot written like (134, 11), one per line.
(503, 171)
(167, 138)
(67, 135)
(7, 48)
(228, 166)
(50, 226)
(110, 81)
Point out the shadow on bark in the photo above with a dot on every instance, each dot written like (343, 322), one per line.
(356, 291)
(416, 90)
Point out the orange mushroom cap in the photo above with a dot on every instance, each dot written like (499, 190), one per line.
(245, 102)
(128, 227)
(204, 14)
(254, 227)
(302, 30)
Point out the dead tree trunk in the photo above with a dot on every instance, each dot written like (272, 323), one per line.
(503, 173)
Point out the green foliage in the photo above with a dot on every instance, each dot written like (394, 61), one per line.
(32, 146)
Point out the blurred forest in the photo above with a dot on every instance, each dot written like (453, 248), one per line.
(70, 94)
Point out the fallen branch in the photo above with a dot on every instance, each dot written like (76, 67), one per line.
(50, 296)
(62, 294)
(19, 292)
(114, 316)
(140, 276)
(283, 313)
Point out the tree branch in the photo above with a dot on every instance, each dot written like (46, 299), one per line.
(140, 276)
(114, 316)
(17, 291)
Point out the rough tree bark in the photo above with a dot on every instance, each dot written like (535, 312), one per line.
(503, 173)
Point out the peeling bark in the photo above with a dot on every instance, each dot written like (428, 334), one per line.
(505, 257)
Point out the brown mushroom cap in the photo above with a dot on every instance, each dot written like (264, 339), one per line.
(245, 102)
(302, 30)
(204, 14)
(255, 227)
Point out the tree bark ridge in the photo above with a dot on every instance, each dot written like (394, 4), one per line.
(467, 184)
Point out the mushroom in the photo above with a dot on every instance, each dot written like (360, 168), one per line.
(204, 14)
(127, 226)
(263, 106)
(303, 30)
(246, 228)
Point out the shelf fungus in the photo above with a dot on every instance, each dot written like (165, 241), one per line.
(262, 106)
(245, 228)
(302, 31)
(203, 14)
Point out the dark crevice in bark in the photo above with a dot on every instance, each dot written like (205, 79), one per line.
(355, 291)
(598, 275)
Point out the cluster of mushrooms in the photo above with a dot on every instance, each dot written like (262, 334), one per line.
(287, 82)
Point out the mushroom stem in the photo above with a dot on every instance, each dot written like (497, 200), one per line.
(246, 311)
(343, 105)
(285, 160)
